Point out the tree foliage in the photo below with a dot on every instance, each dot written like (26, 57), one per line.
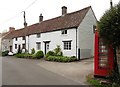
(109, 30)
(109, 26)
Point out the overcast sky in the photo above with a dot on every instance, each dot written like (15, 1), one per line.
(11, 14)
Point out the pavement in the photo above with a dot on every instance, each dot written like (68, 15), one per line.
(18, 71)
(76, 71)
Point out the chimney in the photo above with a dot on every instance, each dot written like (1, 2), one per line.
(11, 28)
(40, 18)
(64, 10)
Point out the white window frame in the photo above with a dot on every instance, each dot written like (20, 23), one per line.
(64, 32)
(38, 35)
(67, 45)
(38, 45)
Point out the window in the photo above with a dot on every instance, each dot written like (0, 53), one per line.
(38, 45)
(94, 27)
(64, 31)
(23, 38)
(15, 46)
(23, 46)
(67, 45)
(16, 39)
(38, 35)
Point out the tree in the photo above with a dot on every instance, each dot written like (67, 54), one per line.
(109, 30)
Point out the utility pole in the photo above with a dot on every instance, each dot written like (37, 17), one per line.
(25, 25)
(111, 4)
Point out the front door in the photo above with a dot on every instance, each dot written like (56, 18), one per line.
(46, 47)
(10, 48)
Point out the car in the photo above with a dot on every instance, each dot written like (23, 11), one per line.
(10, 53)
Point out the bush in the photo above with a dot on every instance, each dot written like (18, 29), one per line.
(60, 58)
(5, 53)
(20, 55)
(58, 51)
(39, 54)
(115, 78)
(27, 56)
(32, 51)
(50, 53)
(23, 55)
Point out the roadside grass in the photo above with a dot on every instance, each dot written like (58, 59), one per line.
(97, 83)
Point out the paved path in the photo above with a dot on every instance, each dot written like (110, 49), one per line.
(76, 71)
(40, 72)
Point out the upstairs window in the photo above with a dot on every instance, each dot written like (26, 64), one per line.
(23, 38)
(64, 32)
(94, 28)
(16, 39)
(38, 35)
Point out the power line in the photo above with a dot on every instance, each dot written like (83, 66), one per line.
(19, 13)
(30, 5)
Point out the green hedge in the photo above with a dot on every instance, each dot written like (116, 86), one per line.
(5, 53)
(23, 55)
(38, 55)
(60, 58)
(50, 53)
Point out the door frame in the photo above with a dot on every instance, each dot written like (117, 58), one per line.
(45, 42)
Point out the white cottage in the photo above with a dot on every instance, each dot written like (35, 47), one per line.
(74, 32)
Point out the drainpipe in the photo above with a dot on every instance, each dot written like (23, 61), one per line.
(28, 43)
(76, 42)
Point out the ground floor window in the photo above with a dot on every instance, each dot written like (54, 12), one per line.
(67, 45)
(23, 46)
(38, 45)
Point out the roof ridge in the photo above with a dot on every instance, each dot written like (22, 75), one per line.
(68, 13)
(69, 20)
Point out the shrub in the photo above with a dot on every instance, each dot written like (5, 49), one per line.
(23, 55)
(19, 51)
(32, 51)
(114, 77)
(39, 54)
(60, 58)
(58, 51)
(27, 55)
(5, 53)
(20, 55)
(50, 53)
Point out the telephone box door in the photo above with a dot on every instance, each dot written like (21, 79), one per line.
(103, 57)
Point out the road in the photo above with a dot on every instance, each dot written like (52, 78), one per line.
(16, 71)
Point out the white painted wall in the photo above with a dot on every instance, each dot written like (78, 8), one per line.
(86, 35)
(85, 39)
(55, 38)
(18, 42)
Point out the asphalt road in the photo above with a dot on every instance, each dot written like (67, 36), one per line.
(17, 71)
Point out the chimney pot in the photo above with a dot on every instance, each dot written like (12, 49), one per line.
(11, 28)
(64, 10)
(40, 18)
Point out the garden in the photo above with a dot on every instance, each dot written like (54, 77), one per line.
(55, 55)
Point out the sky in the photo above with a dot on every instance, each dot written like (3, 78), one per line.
(11, 11)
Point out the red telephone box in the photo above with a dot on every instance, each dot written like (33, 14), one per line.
(103, 57)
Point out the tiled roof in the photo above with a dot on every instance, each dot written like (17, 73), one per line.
(70, 20)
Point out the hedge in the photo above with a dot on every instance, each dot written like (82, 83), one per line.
(61, 58)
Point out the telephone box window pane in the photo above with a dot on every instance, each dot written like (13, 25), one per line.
(103, 55)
